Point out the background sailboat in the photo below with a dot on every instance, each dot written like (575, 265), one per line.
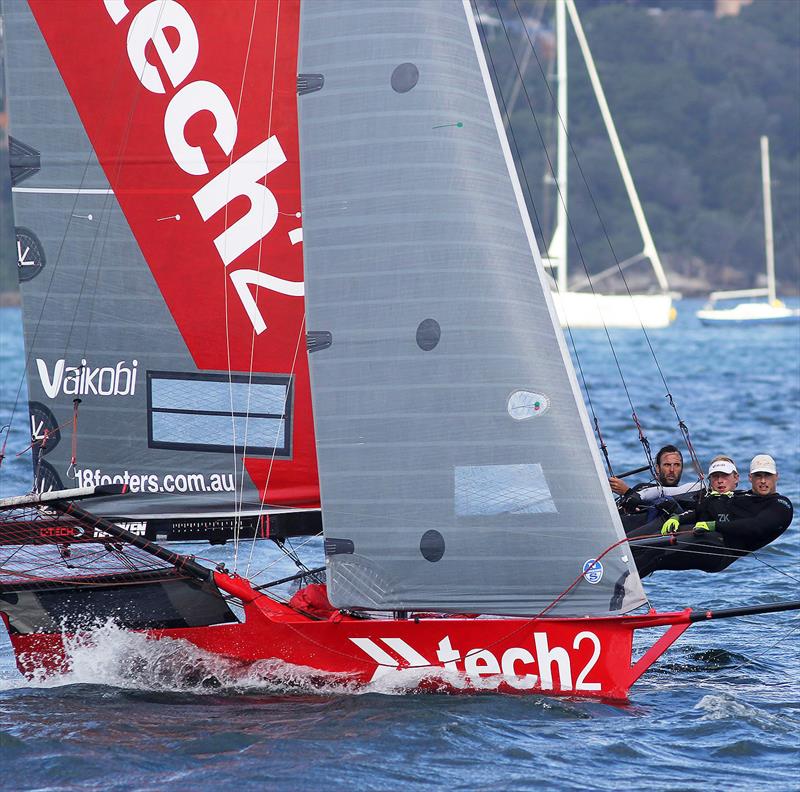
(771, 311)
(576, 305)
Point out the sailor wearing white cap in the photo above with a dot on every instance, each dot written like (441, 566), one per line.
(723, 526)
(723, 475)
(763, 475)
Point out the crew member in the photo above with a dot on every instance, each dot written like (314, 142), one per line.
(669, 467)
(723, 477)
(644, 502)
(733, 524)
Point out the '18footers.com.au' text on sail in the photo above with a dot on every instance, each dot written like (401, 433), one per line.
(151, 482)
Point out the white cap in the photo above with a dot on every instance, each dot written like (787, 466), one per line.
(722, 466)
(763, 463)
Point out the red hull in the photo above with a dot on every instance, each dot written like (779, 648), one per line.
(573, 657)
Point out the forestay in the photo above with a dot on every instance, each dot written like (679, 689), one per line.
(457, 468)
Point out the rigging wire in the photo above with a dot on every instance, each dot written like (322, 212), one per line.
(487, 49)
(74, 450)
(237, 500)
(715, 550)
(253, 336)
(295, 558)
(681, 424)
(300, 338)
(570, 225)
(7, 429)
(239, 490)
(751, 660)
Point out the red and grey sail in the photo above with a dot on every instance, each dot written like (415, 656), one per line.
(162, 234)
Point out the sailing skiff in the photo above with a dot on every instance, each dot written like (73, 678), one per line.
(181, 320)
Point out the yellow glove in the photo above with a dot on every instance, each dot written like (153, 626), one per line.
(670, 526)
(705, 526)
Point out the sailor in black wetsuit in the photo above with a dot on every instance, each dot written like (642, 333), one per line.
(722, 528)
(659, 498)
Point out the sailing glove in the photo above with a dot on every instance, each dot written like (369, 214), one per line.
(670, 526)
(705, 526)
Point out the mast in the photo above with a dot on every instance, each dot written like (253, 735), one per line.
(769, 247)
(649, 249)
(557, 251)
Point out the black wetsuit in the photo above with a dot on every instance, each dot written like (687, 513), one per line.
(636, 512)
(743, 522)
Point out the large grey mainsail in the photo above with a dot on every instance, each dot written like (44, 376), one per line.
(457, 468)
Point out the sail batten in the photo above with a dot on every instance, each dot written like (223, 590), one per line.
(455, 493)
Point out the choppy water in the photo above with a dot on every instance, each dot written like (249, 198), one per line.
(722, 709)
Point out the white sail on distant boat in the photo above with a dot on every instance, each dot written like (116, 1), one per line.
(588, 309)
(771, 311)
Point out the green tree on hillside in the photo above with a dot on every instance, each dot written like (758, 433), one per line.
(690, 95)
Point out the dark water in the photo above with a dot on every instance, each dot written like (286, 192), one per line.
(722, 709)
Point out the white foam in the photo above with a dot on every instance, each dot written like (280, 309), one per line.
(112, 656)
(726, 707)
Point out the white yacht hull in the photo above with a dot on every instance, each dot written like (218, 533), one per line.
(587, 310)
(749, 313)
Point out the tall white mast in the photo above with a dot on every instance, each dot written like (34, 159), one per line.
(649, 249)
(557, 251)
(768, 241)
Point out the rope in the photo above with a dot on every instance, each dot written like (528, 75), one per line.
(521, 165)
(688, 440)
(603, 446)
(682, 426)
(526, 623)
(645, 444)
(795, 626)
(7, 430)
(74, 455)
(714, 551)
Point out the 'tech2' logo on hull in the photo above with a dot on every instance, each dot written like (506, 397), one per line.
(514, 666)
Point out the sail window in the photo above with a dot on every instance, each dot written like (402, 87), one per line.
(405, 77)
(220, 412)
(490, 490)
